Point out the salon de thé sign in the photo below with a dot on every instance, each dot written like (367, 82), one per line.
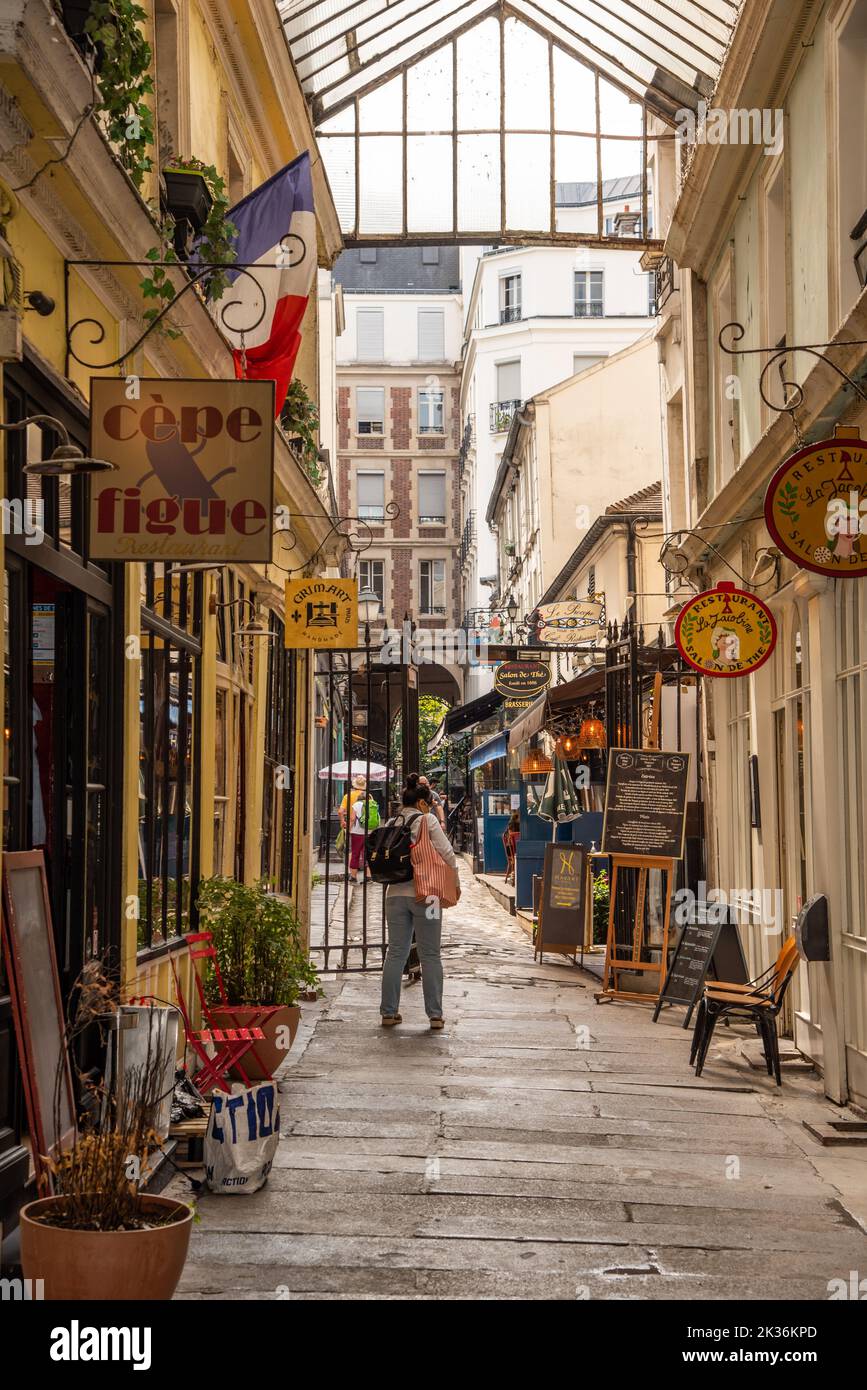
(193, 470)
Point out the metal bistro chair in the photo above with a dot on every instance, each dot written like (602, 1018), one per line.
(232, 1044)
(758, 1002)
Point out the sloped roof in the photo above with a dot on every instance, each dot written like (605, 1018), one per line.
(660, 50)
(637, 501)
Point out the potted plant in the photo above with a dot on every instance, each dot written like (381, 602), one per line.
(98, 1235)
(188, 196)
(300, 421)
(257, 938)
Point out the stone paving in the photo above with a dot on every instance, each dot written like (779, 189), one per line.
(542, 1146)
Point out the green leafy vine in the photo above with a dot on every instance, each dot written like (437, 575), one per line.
(124, 80)
(215, 245)
(300, 419)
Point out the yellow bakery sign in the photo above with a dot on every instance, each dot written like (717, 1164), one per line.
(816, 506)
(321, 613)
(725, 632)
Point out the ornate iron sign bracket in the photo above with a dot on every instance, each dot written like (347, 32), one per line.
(291, 252)
(793, 401)
(360, 538)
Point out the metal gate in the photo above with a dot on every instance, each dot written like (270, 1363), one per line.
(366, 713)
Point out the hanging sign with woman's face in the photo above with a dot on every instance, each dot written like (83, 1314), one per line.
(725, 632)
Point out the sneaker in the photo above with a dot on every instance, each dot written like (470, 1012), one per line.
(389, 1020)
(437, 1024)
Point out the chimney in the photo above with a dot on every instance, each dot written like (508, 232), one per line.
(626, 222)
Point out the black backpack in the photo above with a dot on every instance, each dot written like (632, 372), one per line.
(387, 850)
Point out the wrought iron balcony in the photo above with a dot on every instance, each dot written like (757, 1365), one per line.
(501, 415)
(663, 282)
(511, 314)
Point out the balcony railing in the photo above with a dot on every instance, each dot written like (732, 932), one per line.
(468, 537)
(663, 283)
(589, 309)
(510, 314)
(501, 415)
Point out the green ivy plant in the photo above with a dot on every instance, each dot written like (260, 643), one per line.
(257, 937)
(124, 79)
(214, 244)
(300, 419)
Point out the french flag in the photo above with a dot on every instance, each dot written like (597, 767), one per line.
(277, 231)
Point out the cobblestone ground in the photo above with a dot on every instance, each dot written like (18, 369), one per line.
(542, 1146)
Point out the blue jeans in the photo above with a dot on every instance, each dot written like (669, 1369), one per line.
(404, 916)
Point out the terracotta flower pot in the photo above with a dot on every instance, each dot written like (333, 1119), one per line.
(265, 1057)
(84, 1265)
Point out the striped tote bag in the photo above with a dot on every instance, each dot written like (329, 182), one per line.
(433, 877)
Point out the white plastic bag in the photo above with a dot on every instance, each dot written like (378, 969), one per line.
(242, 1137)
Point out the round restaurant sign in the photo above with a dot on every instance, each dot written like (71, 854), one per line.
(816, 506)
(725, 632)
(522, 679)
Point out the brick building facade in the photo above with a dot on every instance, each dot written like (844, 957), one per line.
(398, 427)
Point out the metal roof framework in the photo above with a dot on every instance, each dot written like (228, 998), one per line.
(454, 120)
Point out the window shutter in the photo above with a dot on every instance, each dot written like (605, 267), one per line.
(432, 495)
(371, 489)
(509, 381)
(370, 335)
(370, 401)
(431, 335)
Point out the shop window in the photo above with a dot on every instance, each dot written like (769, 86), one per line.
(279, 779)
(166, 789)
(220, 797)
(851, 606)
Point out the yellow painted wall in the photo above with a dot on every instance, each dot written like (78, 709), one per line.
(211, 97)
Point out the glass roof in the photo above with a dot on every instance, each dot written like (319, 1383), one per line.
(665, 53)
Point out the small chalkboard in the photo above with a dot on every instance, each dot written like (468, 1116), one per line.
(562, 902)
(35, 989)
(708, 942)
(645, 803)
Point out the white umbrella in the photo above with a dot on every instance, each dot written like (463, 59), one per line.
(343, 771)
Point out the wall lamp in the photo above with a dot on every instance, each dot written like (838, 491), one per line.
(67, 459)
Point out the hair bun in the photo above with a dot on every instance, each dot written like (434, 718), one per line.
(412, 781)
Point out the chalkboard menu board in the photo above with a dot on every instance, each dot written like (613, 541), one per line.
(562, 904)
(709, 941)
(645, 803)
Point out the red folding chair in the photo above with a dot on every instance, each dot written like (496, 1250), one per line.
(232, 1044)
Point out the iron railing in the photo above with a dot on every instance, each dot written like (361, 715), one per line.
(501, 415)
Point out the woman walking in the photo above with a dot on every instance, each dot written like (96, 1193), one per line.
(353, 826)
(405, 915)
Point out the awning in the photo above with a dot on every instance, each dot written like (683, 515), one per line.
(496, 747)
(557, 701)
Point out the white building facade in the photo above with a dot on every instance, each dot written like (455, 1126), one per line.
(536, 316)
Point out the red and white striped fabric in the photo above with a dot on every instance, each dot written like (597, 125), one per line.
(433, 877)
